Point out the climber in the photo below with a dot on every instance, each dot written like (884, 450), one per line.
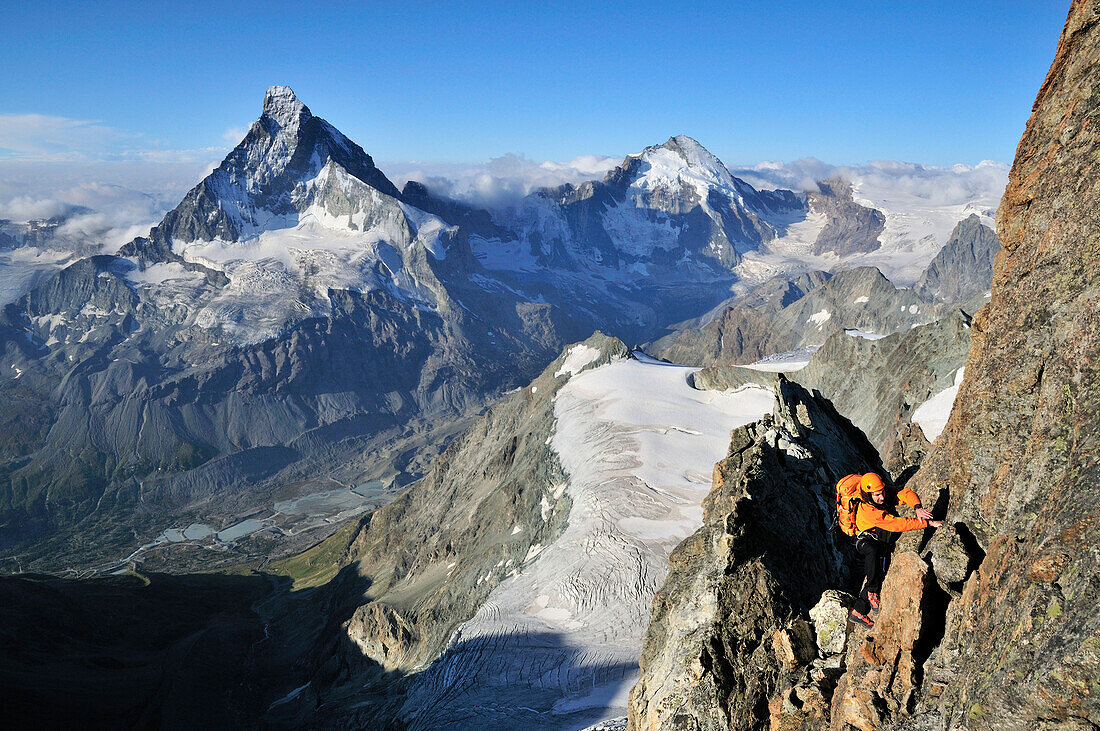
(877, 527)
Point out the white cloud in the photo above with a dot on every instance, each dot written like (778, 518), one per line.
(104, 204)
(45, 138)
(501, 181)
(234, 135)
(934, 186)
(799, 175)
(41, 136)
(937, 186)
(25, 208)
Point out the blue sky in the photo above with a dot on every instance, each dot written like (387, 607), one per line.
(934, 82)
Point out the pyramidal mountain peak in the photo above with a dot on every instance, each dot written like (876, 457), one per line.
(296, 210)
(683, 162)
(282, 106)
(288, 138)
(290, 167)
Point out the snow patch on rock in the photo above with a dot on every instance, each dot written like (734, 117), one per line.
(932, 415)
(786, 362)
(820, 318)
(855, 333)
(576, 359)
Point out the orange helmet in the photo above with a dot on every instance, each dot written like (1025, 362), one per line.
(871, 483)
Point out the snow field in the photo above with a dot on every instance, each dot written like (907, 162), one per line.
(23, 269)
(565, 633)
(576, 359)
(791, 360)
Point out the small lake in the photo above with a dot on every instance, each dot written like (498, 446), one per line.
(332, 502)
(240, 530)
(193, 532)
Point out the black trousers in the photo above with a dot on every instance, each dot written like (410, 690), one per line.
(876, 559)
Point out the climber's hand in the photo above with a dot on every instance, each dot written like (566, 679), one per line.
(923, 513)
(935, 523)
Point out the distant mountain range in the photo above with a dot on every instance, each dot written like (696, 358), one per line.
(298, 325)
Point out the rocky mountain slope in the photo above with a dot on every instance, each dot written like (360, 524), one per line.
(991, 623)
(511, 584)
(878, 383)
(1016, 462)
(552, 518)
(964, 266)
(754, 327)
(377, 600)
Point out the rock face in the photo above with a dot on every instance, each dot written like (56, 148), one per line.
(1017, 463)
(830, 617)
(849, 228)
(764, 557)
(964, 266)
(883, 665)
(993, 622)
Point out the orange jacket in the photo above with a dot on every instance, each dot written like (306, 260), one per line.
(869, 515)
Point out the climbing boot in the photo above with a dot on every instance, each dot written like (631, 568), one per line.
(861, 619)
(872, 596)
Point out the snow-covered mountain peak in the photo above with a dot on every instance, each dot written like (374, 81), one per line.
(695, 155)
(682, 160)
(289, 163)
(283, 107)
(294, 211)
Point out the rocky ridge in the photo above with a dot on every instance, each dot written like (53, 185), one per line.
(1016, 465)
(762, 560)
